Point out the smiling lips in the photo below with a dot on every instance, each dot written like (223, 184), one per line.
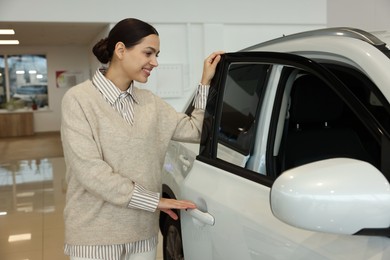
(147, 71)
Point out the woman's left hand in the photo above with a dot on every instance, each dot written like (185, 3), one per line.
(209, 66)
(166, 205)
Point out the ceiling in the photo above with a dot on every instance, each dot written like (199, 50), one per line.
(52, 34)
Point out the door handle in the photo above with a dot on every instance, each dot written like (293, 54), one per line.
(184, 160)
(203, 217)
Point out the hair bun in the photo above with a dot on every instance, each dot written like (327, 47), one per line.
(101, 52)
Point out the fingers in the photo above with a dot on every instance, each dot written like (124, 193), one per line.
(212, 57)
(216, 60)
(171, 213)
(210, 64)
(175, 204)
(166, 205)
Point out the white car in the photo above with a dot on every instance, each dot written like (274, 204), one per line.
(294, 161)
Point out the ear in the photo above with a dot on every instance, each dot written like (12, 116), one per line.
(120, 49)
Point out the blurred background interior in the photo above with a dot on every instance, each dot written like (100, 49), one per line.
(45, 49)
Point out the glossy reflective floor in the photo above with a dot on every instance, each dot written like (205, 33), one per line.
(32, 198)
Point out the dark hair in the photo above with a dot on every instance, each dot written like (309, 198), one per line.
(130, 31)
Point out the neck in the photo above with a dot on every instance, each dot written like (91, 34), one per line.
(119, 81)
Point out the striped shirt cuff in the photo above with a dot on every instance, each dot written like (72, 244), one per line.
(200, 99)
(144, 199)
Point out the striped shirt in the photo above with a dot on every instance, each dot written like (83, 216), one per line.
(123, 102)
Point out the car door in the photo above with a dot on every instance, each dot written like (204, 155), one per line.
(241, 156)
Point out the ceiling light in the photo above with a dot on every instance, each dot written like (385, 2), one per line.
(21, 237)
(9, 42)
(25, 194)
(7, 31)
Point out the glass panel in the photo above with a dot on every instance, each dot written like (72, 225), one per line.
(321, 125)
(28, 79)
(366, 91)
(242, 96)
(3, 94)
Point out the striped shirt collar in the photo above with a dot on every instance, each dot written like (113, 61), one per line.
(108, 89)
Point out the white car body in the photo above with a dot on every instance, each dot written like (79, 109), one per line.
(337, 208)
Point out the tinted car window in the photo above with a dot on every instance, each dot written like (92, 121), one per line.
(321, 125)
(243, 89)
(366, 91)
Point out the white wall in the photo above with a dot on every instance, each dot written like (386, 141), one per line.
(189, 31)
(188, 45)
(167, 11)
(370, 15)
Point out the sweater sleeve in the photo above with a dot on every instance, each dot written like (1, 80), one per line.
(83, 156)
(189, 128)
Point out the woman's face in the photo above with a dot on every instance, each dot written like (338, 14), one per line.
(139, 60)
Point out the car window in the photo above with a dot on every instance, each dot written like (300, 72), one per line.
(366, 91)
(272, 112)
(242, 96)
(319, 124)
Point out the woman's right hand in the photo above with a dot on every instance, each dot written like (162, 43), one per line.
(209, 66)
(166, 205)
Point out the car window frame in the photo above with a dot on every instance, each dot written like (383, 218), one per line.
(209, 139)
(360, 110)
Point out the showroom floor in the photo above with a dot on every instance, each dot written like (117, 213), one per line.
(32, 197)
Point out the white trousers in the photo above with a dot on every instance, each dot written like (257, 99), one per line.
(151, 255)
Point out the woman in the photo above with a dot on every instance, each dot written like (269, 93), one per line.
(115, 137)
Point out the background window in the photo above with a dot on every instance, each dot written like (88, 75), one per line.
(3, 97)
(27, 79)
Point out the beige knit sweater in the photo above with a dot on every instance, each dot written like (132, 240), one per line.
(105, 155)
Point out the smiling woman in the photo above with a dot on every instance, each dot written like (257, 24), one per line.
(115, 137)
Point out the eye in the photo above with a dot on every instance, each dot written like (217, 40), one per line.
(150, 53)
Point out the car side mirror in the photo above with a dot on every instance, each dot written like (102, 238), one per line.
(340, 195)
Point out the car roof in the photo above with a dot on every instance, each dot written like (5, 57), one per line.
(383, 36)
(363, 50)
(346, 32)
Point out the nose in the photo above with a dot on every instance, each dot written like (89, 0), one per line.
(154, 62)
